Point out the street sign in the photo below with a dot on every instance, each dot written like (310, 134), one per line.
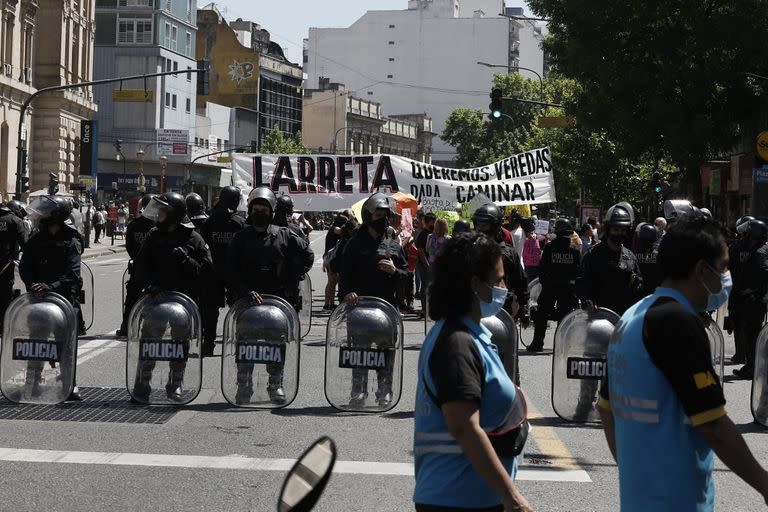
(173, 142)
(133, 95)
(762, 145)
(224, 159)
(556, 122)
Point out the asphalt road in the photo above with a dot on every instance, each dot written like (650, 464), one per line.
(211, 456)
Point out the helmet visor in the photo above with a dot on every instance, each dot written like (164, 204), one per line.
(40, 207)
(153, 209)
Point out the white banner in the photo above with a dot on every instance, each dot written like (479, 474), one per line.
(173, 142)
(335, 182)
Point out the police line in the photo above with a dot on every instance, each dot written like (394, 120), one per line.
(334, 182)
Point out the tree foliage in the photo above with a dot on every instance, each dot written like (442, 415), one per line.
(662, 78)
(276, 143)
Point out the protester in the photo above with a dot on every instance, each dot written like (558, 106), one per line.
(437, 240)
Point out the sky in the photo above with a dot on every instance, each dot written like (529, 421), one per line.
(288, 21)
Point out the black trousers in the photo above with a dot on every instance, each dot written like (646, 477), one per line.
(748, 323)
(6, 290)
(212, 299)
(554, 302)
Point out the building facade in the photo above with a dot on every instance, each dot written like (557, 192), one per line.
(335, 121)
(400, 60)
(151, 118)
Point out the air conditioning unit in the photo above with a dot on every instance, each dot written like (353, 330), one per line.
(28, 75)
(7, 70)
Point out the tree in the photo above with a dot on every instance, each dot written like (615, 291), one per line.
(665, 79)
(276, 143)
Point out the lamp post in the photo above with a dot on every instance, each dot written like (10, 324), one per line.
(510, 69)
(163, 164)
(140, 182)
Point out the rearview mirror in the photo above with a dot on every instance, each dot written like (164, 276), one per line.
(307, 478)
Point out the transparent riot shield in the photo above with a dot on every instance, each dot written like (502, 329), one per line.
(364, 341)
(261, 354)
(534, 290)
(760, 379)
(717, 347)
(505, 337)
(39, 349)
(87, 298)
(124, 287)
(163, 361)
(579, 363)
(305, 315)
(18, 284)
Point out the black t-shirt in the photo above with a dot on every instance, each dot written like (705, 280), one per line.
(330, 240)
(678, 345)
(456, 367)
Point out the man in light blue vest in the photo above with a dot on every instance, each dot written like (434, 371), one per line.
(662, 404)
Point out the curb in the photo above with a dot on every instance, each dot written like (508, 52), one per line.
(103, 252)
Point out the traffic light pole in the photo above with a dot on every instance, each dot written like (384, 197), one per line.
(21, 157)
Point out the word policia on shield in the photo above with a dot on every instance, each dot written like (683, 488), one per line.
(325, 182)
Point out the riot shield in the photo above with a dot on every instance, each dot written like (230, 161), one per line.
(534, 290)
(760, 380)
(579, 363)
(305, 315)
(363, 340)
(163, 364)
(717, 347)
(505, 337)
(261, 354)
(39, 349)
(87, 298)
(124, 287)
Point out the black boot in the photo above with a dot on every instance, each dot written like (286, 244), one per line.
(275, 388)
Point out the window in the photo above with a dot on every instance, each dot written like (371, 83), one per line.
(188, 45)
(392, 42)
(189, 75)
(391, 26)
(167, 35)
(173, 102)
(167, 100)
(174, 38)
(391, 59)
(134, 30)
(189, 10)
(168, 65)
(175, 66)
(390, 76)
(135, 3)
(189, 105)
(370, 93)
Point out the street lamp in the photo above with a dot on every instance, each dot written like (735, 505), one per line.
(511, 69)
(163, 164)
(140, 182)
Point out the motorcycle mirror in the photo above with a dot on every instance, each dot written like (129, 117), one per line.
(308, 477)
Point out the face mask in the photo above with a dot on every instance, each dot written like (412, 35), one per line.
(260, 220)
(716, 300)
(617, 239)
(380, 225)
(498, 298)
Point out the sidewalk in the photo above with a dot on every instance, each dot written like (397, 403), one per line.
(105, 248)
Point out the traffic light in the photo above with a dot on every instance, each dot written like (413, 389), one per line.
(119, 146)
(496, 103)
(204, 66)
(53, 183)
(657, 182)
(24, 184)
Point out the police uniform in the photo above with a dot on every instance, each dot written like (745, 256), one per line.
(660, 386)
(13, 236)
(135, 234)
(748, 303)
(611, 279)
(558, 271)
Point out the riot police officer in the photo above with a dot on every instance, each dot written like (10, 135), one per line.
(558, 271)
(264, 258)
(373, 265)
(196, 210)
(283, 214)
(172, 258)
(487, 220)
(749, 295)
(13, 236)
(19, 209)
(52, 257)
(610, 276)
(645, 252)
(218, 231)
(739, 251)
(135, 234)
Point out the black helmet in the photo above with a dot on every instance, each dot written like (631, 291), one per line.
(377, 201)
(5, 208)
(742, 225)
(618, 216)
(284, 204)
(488, 213)
(145, 199)
(646, 233)
(195, 206)
(758, 230)
(706, 213)
(461, 226)
(230, 198)
(676, 208)
(51, 208)
(563, 227)
(18, 208)
(172, 204)
(264, 195)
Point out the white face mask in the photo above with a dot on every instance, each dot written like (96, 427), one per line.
(717, 300)
(498, 298)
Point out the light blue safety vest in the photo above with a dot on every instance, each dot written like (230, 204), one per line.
(664, 463)
(444, 475)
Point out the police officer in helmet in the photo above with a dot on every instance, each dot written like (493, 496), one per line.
(13, 237)
(172, 259)
(52, 256)
(739, 252)
(461, 226)
(750, 285)
(558, 271)
(610, 274)
(265, 258)
(487, 220)
(373, 265)
(135, 234)
(646, 236)
(218, 231)
(196, 210)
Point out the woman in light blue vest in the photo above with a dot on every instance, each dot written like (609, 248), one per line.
(470, 419)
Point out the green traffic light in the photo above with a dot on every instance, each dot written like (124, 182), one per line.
(658, 190)
(496, 114)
